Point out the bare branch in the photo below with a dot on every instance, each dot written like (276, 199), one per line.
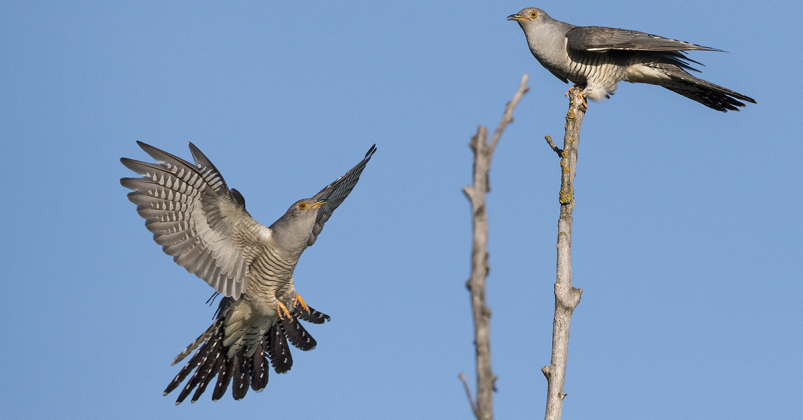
(566, 296)
(483, 152)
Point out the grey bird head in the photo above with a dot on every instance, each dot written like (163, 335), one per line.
(528, 14)
(531, 19)
(292, 231)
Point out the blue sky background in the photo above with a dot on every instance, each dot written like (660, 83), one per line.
(687, 231)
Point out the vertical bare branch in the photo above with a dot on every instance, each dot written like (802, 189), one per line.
(566, 296)
(483, 152)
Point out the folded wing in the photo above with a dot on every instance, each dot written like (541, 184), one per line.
(601, 39)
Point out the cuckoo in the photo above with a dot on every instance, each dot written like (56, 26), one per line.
(204, 226)
(596, 58)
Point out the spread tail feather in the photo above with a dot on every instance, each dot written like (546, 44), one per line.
(278, 350)
(296, 334)
(241, 377)
(311, 315)
(243, 371)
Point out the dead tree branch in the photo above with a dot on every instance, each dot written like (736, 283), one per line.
(483, 152)
(566, 296)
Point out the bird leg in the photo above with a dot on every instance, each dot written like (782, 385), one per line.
(299, 301)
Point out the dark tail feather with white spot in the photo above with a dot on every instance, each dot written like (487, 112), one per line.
(241, 378)
(223, 379)
(210, 338)
(278, 350)
(260, 368)
(241, 371)
(296, 334)
(311, 316)
(209, 361)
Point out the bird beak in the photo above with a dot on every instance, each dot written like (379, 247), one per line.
(517, 17)
(318, 204)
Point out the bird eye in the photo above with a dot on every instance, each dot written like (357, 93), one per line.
(302, 205)
(533, 14)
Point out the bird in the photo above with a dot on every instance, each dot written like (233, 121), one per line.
(596, 58)
(205, 227)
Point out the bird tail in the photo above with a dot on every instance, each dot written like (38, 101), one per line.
(244, 371)
(704, 92)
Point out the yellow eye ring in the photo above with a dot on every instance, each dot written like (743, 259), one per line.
(302, 205)
(533, 14)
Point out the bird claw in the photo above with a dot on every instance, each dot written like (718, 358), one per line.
(299, 301)
(580, 94)
(282, 311)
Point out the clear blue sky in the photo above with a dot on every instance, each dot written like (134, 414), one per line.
(687, 233)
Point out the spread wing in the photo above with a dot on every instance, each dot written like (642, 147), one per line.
(602, 39)
(335, 193)
(195, 217)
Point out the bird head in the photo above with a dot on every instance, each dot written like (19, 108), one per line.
(528, 16)
(292, 231)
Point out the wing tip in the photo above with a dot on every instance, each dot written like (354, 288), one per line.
(145, 146)
(194, 149)
(370, 152)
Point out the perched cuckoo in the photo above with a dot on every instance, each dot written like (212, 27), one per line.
(597, 58)
(204, 226)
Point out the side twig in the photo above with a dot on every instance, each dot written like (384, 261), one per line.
(557, 150)
(483, 152)
(566, 296)
(468, 392)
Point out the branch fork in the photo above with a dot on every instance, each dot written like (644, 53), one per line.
(483, 153)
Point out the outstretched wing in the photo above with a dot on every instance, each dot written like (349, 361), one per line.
(195, 217)
(601, 39)
(335, 193)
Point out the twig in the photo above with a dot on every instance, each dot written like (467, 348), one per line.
(468, 393)
(483, 152)
(557, 150)
(566, 296)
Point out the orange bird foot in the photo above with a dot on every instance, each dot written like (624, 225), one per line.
(580, 94)
(299, 301)
(282, 311)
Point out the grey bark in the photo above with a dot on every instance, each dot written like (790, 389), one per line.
(566, 296)
(483, 152)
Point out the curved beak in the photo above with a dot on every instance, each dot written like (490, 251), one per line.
(318, 204)
(517, 17)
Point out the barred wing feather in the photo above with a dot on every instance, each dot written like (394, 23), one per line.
(336, 192)
(195, 217)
